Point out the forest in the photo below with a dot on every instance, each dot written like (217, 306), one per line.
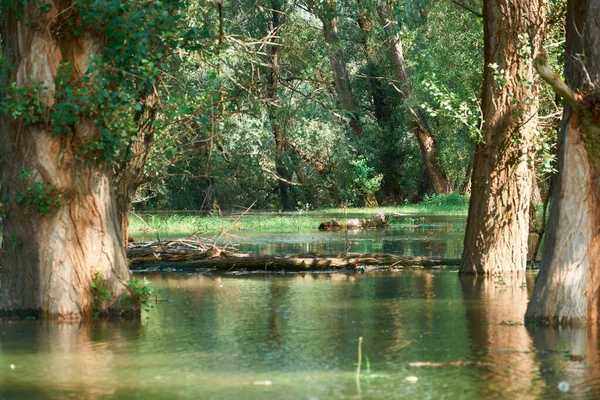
(120, 108)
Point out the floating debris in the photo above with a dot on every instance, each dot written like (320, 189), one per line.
(564, 386)
(411, 379)
(263, 383)
(458, 363)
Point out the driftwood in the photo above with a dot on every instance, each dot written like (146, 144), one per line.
(458, 363)
(378, 221)
(198, 258)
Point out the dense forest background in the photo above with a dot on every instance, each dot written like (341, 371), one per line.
(295, 105)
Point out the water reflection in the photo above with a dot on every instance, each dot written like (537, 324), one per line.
(41, 358)
(568, 357)
(434, 236)
(296, 337)
(495, 310)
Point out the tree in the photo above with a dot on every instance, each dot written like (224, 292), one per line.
(61, 223)
(498, 220)
(77, 97)
(275, 27)
(567, 288)
(326, 11)
(418, 124)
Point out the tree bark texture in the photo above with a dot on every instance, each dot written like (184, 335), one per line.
(277, 20)
(326, 12)
(435, 173)
(49, 259)
(498, 220)
(567, 288)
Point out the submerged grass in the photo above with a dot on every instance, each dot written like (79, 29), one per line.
(452, 205)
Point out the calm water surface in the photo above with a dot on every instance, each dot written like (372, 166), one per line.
(296, 337)
(434, 236)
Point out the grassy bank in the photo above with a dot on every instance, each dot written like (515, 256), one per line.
(454, 204)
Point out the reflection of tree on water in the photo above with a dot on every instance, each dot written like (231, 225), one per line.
(568, 355)
(495, 310)
(77, 358)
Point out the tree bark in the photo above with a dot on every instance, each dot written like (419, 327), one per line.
(131, 172)
(277, 19)
(567, 288)
(498, 220)
(326, 11)
(49, 256)
(435, 173)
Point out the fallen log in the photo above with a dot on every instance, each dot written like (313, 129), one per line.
(378, 221)
(189, 259)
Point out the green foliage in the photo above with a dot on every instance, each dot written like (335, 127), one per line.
(15, 240)
(139, 292)
(101, 295)
(452, 200)
(364, 177)
(213, 131)
(23, 102)
(137, 297)
(42, 197)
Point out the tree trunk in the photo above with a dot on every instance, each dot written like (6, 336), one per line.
(326, 12)
(61, 222)
(383, 110)
(567, 288)
(498, 220)
(435, 173)
(131, 172)
(276, 128)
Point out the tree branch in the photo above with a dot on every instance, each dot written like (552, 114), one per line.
(543, 68)
(469, 9)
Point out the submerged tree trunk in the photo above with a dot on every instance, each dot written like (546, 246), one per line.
(326, 11)
(498, 220)
(273, 106)
(567, 288)
(61, 223)
(435, 173)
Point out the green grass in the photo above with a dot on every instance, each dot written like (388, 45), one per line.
(454, 204)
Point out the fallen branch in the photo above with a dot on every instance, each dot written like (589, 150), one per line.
(458, 363)
(191, 258)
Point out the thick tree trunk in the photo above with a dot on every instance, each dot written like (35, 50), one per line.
(52, 247)
(435, 173)
(273, 81)
(567, 288)
(498, 221)
(326, 12)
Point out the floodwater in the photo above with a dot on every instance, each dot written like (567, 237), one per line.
(296, 337)
(437, 236)
(433, 236)
(427, 334)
